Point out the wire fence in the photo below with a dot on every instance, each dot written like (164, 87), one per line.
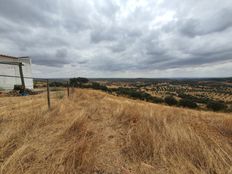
(66, 87)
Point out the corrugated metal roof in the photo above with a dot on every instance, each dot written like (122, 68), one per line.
(12, 57)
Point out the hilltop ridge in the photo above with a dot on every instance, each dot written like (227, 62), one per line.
(94, 132)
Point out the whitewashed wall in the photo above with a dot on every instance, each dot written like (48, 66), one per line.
(13, 70)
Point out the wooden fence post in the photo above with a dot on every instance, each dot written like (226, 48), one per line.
(68, 88)
(48, 95)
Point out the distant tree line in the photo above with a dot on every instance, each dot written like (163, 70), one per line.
(186, 100)
(170, 100)
(132, 93)
(196, 99)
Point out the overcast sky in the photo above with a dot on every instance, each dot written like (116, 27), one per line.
(120, 38)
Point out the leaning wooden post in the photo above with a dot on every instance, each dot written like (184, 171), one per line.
(68, 88)
(21, 75)
(48, 95)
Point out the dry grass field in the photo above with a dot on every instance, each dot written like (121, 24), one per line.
(93, 132)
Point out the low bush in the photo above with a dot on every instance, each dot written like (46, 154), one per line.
(216, 106)
(187, 103)
(138, 95)
(57, 84)
(99, 86)
(202, 99)
(157, 100)
(77, 82)
(170, 100)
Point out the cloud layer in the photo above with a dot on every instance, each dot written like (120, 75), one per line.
(119, 38)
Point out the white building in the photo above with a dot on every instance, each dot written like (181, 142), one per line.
(10, 72)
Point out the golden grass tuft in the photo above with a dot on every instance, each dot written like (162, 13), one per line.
(93, 132)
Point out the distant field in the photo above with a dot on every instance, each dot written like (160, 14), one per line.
(94, 132)
(200, 91)
(201, 94)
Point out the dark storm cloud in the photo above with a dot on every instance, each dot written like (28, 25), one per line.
(61, 53)
(27, 12)
(57, 59)
(199, 60)
(119, 47)
(118, 36)
(48, 60)
(218, 22)
(113, 33)
(110, 64)
(104, 35)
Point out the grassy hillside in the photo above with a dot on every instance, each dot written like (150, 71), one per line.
(93, 132)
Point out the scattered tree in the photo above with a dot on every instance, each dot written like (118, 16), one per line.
(187, 103)
(216, 106)
(170, 100)
(77, 82)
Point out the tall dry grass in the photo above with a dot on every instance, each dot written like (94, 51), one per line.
(93, 132)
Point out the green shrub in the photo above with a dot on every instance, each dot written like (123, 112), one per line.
(77, 82)
(99, 87)
(187, 103)
(57, 84)
(157, 100)
(216, 106)
(170, 100)
(138, 95)
(202, 99)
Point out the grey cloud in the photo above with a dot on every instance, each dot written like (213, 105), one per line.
(117, 36)
(113, 33)
(103, 35)
(199, 60)
(57, 59)
(108, 64)
(26, 12)
(82, 61)
(48, 60)
(119, 47)
(107, 8)
(61, 53)
(215, 23)
(25, 40)
(155, 48)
